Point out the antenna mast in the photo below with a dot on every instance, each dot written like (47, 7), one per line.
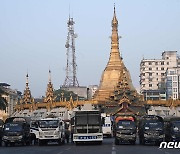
(71, 78)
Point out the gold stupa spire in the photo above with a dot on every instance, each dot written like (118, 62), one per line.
(114, 68)
(27, 98)
(49, 98)
(114, 59)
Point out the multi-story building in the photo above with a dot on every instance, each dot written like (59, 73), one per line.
(173, 83)
(153, 75)
(11, 96)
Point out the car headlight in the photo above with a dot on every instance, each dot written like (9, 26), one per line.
(56, 133)
(176, 129)
(20, 137)
(145, 135)
(146, 128)
(75, 137)
(5, 137)
(161, 136)
(99, 136)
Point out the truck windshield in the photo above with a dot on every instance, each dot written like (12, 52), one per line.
(48, 124)
(13, 127)
(90, 119)
(81, 119)
(93, 119)
(153, 125)
(126, 125)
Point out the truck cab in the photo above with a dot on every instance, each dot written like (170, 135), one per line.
(172, 129)
(151, 129)
(16, 132)
(51, 129)
(125, 129)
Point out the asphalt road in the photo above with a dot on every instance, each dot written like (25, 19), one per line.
(107, 147)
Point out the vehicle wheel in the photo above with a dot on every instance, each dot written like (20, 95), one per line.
(100, 142)
(133, 142)
(12, 144)
(59, 142)
(142, 142)
(6, 144)
(28, 143)
(40, 143)
(116, 141)
(77, 143)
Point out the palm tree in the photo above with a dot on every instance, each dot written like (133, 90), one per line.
(3, 102)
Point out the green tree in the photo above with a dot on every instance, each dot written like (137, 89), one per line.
(66, 94)
(3, 102)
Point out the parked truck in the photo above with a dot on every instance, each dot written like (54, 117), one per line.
(151, 129)
(86, 126)
(50, 129)
(172, 129)
(16, 130)
(107, 126)
(124, 129)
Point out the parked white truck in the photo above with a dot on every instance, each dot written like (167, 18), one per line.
(86, 126)
(48, 129)
(107, 126)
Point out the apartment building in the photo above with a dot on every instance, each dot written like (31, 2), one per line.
(153, 75)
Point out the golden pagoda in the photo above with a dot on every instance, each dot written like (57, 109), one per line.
(114, 68)
(27, 98)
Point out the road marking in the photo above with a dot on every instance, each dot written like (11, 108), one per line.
(64, 150)
(68, 149)
(113, 149)
(163, 151)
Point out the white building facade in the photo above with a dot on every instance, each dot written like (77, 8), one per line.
(153, 74)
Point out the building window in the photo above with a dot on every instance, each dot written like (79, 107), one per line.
(156, 73)
(150, 63)
(174, 89)
(167, 63)
(162, 68)
(174, 96)
(143, 74)
(162, 63)
(156, 68)
(174, 84)
(150, 68)
(142, 63)
(156, 63)
(162, 74)
(150, 79)
(150, 74)
(150, 85)
(174, 78)
(171, 72)
(157, 79)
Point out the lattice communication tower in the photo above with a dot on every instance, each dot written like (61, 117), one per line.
(71, 66)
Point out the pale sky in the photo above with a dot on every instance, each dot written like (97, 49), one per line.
(33, 36)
